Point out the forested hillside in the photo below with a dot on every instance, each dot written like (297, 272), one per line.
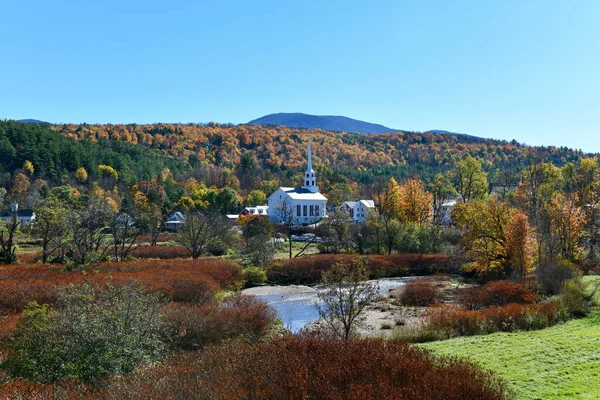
(256, 154)
(55, 157)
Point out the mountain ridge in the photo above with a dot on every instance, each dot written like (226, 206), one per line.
(335, 123)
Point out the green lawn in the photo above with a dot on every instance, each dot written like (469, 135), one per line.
(561, 362)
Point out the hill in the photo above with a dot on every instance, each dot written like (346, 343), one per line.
(31, 121)
(326, 122)
(250, 157)
(55, 156)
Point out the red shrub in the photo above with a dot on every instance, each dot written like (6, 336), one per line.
(7, 326)
(181, 280)
(238, 317)
(450, 321)
(496, 293)
(293, 368)
(160, 252)
(300, 368)
(419, 292)
(29, 258)
(308, 270)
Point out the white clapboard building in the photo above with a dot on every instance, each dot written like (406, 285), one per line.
(300, 206)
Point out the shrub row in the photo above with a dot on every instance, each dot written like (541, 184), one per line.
(308, 270)
(143, 251)
(293, 368)
(496, 293)
(181, 280)
(448, 321)
(160, 252)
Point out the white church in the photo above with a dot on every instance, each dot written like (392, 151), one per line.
(303, 205)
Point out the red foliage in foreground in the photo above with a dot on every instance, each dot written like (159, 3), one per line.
(450, 321)
(238, 317)
(419, 292)
(307, 270)
(496, 293)
(295, 368)
(7, 326)
(179, 280)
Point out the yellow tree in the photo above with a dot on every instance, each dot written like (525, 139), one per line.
(414, 202)
(520, 246)
(28, 167)
(485, 241)
(390, 200)
(81, 175)
(564, 228)
(20, 188)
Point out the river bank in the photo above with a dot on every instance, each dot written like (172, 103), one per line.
(296, 304)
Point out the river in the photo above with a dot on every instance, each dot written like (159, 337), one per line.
(296, 304)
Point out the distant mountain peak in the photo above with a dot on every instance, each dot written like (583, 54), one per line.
(30, 121)
(333, 123)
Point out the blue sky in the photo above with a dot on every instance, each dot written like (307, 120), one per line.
(528, 70)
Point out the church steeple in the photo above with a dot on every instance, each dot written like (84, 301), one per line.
(310, 180)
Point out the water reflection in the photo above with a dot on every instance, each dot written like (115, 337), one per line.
(298, 309)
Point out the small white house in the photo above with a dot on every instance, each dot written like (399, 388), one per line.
(358, 210)
(256, 210)
(25, 217)
(175, 222)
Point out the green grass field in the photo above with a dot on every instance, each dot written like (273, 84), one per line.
(561, 362)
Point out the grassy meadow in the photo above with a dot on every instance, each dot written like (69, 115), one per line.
(560, 362)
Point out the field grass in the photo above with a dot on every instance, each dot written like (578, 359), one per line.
(561, 362)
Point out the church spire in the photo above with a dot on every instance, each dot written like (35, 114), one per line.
(310, 180)
(309, 167)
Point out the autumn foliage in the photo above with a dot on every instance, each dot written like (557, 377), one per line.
(496, 293)
(294, 368)
(308, 270)
(449, 321)
(239, 317)
(181, 280)
(419, 292)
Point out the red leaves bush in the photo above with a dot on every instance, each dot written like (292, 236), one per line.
(180, 280)
(450, 321)
(296, 368)
(160, 252)
(419, 292)
(317, 368)
(237, 317)
(496, 293)
(308, 270)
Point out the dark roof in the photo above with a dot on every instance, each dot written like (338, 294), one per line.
(20, 214)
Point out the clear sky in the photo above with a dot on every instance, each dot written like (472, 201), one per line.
(528, 70)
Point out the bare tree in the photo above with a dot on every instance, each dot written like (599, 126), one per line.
(336, 230)
(285, 213)
(50, 226)
(202, 231)
(125, 228)
(87, 238)
(345, 296)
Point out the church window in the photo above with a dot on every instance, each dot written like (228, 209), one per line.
(305, 210)
(313, 183)
(298, 209)
(317, 210)
(312, 211)
(313, 175)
